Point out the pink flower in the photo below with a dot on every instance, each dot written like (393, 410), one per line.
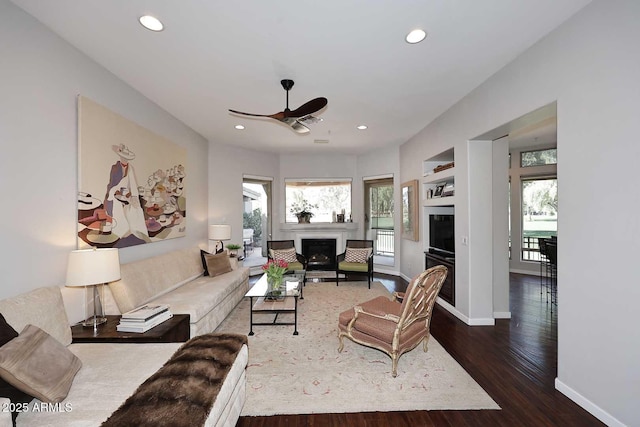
(275, 267)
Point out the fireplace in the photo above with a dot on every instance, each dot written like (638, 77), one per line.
(320, 253)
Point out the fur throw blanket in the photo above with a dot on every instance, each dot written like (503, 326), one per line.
(182, 392)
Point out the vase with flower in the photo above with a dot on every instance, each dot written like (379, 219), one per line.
(275, 270)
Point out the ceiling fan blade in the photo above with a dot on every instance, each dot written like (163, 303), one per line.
(308, 108)
(252, 114)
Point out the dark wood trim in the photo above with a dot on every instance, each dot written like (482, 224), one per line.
(175, 329)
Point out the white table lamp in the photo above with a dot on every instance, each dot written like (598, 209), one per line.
(219, 232)
(93, 267)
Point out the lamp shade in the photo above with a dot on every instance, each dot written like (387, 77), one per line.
(93, 266)
(220, 232)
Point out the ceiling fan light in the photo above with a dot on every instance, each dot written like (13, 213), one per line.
(415, 36)
(151, 23)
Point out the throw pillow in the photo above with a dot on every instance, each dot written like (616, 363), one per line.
(287, 255)
(7, 333)
(38, 364)
(217, 264)
(357, 254)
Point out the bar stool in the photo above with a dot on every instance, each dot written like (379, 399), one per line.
(544, 267)
(552, 254)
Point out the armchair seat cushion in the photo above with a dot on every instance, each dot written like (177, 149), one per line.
(295, 266)
(354, 266)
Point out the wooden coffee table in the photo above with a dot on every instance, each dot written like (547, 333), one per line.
(265, 303)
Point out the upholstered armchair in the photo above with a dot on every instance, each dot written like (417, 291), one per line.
(356, 259)
(286, 250)
(392, 326)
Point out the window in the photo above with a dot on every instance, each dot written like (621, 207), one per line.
(539, 214)
(323, 198)
(538, 157)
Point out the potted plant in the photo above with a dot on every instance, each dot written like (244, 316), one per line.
(233, 249)
(302, 211)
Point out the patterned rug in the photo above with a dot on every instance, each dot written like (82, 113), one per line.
(305, 374)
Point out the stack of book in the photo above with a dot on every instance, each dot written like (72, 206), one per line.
(143, 318)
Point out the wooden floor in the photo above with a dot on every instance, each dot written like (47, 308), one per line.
(514, 361)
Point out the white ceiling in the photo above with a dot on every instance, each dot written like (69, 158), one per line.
(216, 55)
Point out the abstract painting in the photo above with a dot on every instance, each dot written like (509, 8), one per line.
(131, 181)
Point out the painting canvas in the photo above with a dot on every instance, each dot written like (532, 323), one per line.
(131, 183)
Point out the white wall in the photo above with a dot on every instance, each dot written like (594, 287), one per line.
(40, 78)
(227, 165)
(590, 66)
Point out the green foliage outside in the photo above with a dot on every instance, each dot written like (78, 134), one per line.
(253, 220)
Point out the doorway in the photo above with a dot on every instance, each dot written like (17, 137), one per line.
(379, 218)
(256, 218)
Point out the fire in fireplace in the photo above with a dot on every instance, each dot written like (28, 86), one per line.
(320, 253)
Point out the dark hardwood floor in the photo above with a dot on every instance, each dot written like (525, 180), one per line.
(514, 361)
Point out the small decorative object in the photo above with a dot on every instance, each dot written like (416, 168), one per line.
(233, 249)
(302, 211)
(275, 270)
(438, 190)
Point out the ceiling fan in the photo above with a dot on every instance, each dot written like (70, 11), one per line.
(298, 118)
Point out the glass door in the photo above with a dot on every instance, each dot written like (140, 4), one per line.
(256, 218)
(378, 207)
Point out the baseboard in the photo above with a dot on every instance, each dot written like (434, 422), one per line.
(588, 405)
(502, 315)
(381, 269)
(469, 321)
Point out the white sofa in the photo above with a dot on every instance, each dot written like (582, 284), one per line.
(111, 372)
(176, 278)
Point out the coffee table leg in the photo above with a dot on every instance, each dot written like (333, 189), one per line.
(295, 317)
(250, 316)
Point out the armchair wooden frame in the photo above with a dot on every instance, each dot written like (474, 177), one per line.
(391, 326)
(340, 258)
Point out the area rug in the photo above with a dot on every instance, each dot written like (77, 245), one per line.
(305, 374)
(321, 274)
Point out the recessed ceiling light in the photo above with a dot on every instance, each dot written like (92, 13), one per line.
(415, 36)
(151, 23)
(239, 127)
(362, 127)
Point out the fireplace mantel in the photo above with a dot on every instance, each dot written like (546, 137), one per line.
(341, 231)
(319, 226)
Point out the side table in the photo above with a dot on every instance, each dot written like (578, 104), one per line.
(175, 329)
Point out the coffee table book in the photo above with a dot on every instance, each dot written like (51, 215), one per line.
(126, 325)
(145, 312)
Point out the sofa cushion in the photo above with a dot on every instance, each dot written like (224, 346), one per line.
(144, 280)
(217, 264)
(42, 307)
(200, 296)
(39, 365)
(353, 266)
